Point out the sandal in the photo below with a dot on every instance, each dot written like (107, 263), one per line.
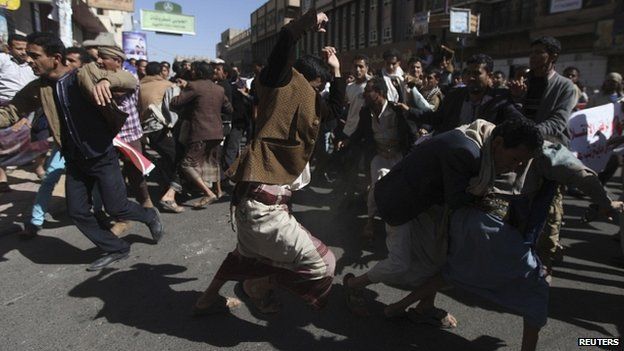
(220, 305)
(204, 201)
(434, 316)
(354, 298)
(267, 304)
(171, 206)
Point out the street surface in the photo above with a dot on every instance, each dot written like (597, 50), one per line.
(49, 302)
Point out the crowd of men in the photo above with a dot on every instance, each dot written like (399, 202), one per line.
(465, 168)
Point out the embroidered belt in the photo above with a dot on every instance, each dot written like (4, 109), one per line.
(494, 206)
(264, 193)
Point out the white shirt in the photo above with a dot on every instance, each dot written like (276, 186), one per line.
(13, 76)
(393, 94)
(355, 99)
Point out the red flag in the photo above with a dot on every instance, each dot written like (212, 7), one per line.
(138, 160)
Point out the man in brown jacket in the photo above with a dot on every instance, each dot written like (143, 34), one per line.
(83, 121)
(205, 100)
(273, 249)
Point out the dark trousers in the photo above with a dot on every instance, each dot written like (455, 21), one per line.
(232, 146)
(163, 143)
(103, 172)
(136, 180)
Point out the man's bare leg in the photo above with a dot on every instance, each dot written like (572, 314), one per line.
(427, 290)
(530, 335)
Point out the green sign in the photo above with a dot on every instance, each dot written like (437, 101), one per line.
(167, 22)
(168, 6)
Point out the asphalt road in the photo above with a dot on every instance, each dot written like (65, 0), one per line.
(49, 302)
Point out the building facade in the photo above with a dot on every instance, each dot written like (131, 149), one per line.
(590, 30)
(266, 23)
(235, 48)
(87, 21)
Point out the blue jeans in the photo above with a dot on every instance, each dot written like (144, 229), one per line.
(55, 165)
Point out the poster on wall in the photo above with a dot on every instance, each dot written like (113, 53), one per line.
(135, 45)
(4, 29)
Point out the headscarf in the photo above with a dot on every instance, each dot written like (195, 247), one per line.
(480, 132)
(112, 51)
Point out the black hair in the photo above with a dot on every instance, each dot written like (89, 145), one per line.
(165, 63)
(312, 67)
(132, 58)
(227, 69)
(388, 54)
(152, 68)
(139, 61)
(203, 70)
(84, 55)
(571, 68)
(177, 67)
(50, 43)
(435, 71)
(413, 60)
(457, 74)
(361, 57)
(16, 37)
(519, 131)
(379, 85)
(482, 59)
(501, 74)
(552, 45)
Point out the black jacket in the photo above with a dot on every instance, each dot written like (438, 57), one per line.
(447, 116)
(436, 172)
(363, 134)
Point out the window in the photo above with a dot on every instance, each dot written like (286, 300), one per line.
(387, 2)
(372, 38)
(373, 6)
(387, 33)
(362, 40)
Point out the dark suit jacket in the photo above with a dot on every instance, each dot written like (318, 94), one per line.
(447, 116)
(206, 100)
(363, 134)
(436, 172)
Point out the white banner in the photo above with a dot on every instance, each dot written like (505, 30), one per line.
(589, 131)
(459, 21)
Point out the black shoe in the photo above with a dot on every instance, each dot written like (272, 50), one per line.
(30, 231)
(155, 226)
(103, 262)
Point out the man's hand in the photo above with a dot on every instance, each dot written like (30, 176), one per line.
(22, 122)
(518, 88)
(329, 54)
(616, 207)
(101, 93)
(321, 22)
(402, 106)
(181, 83)
(342, 144)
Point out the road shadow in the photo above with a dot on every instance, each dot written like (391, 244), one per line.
(144, 297)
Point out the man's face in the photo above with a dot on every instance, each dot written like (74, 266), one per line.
(133, 62)
(540, 61)
(186, 66)
(41, 64)
(219, 73)
(17, 49)
(610, 85)
(360, 68)
(391, 64)
(257, 69)
(498, 79)
(141, 68)
(432, 81)
(164, 71)
(371, 96)
(573, 75)
(477, 78)
(509, 159)
(109, 63)
(73, 60)
(416, 69)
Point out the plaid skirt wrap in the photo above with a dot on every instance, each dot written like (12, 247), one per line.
(272, 242)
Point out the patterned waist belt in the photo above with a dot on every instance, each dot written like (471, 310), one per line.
(264, 193)
(494, 206)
